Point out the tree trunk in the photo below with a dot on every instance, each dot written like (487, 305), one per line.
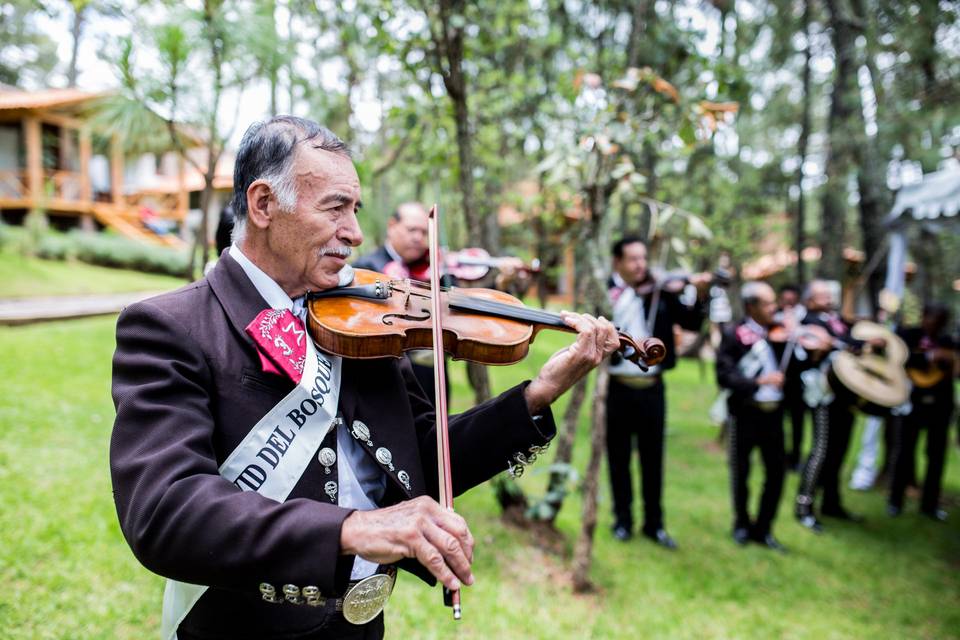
(844, 101)
(583, 551)
(449, 43)
(273, 69)
(77, 31)
(596, 302)
(802, 147)
(875, 198)
(479, 382)
(215, 42)
(547, 509)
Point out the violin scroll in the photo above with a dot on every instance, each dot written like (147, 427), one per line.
(647, 353)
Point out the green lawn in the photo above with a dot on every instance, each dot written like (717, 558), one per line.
(68, 574)
(26, 277)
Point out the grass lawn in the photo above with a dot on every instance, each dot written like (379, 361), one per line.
(67, 572)
(26, 277)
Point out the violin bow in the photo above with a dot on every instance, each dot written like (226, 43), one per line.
(450, 598)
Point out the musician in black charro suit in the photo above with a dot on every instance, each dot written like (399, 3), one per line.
(832, 417)
(636, 402)
(932, 354)
(748, 366)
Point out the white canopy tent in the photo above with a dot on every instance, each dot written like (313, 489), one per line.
(936, 197)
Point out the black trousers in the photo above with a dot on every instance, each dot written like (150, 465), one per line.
(752, 428)
(335, 627)
(636, 415)
(838, 443)
(832, 426)
(935, 418)
(796, 410)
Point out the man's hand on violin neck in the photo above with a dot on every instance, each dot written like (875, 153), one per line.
(774, 378)
(702, 281)
(596, 339)
(420, 528)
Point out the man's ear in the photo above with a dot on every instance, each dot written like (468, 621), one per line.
(261, 205)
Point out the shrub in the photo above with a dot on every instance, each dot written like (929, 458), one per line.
(103, 249)
(116, 251)
(11, 238)
(55, 246)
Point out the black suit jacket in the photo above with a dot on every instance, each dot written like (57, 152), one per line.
(375, 260)
(188, 386)
(732, 349)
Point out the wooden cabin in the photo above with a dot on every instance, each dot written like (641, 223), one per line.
(52, 160)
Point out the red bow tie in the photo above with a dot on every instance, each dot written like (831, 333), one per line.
(281, 342)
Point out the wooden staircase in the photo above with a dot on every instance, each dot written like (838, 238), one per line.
(127, 222)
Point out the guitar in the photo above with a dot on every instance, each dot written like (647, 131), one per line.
(943, 364)
(876, 378)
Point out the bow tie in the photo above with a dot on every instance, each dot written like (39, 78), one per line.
(299, 307)
(281, 341)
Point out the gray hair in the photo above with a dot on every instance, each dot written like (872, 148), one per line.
(751, 291)
(266, 153)
(812, 286)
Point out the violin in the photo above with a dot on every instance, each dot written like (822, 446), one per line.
(811, 337)
(380, 317)
(474, 264)
(675, 281)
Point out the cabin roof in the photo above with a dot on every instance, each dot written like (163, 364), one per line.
(11, 99)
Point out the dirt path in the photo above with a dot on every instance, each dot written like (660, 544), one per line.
(29, 310)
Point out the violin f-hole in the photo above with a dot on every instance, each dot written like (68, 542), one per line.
(404, 316)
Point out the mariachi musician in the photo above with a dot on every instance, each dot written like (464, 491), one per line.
(226, 478)
(636, 402)
(833, 416)
(751, 367)
(932, 367)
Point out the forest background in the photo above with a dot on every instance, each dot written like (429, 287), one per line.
(776, 123)
(717, 130)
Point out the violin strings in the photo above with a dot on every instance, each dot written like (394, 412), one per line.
(506, 310)
(466, 301)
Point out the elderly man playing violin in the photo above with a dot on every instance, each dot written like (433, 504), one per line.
(276, 486)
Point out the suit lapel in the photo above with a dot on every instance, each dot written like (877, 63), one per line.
(239, 298)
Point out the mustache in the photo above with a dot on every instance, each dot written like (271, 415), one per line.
(340, 252)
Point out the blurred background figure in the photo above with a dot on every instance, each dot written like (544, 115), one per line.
(932, 368)
(790, 314)
(636, 403)
(748, 367)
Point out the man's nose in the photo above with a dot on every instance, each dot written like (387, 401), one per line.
(350, 233)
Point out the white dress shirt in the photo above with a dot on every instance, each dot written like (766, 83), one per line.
(768, 362)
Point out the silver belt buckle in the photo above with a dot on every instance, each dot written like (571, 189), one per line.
(366, 599)
(768, 406)
(638, 382)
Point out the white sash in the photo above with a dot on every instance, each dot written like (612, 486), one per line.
(272, 458)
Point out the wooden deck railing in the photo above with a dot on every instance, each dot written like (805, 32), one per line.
(57, 185)
(13, 184)
(63, 185)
